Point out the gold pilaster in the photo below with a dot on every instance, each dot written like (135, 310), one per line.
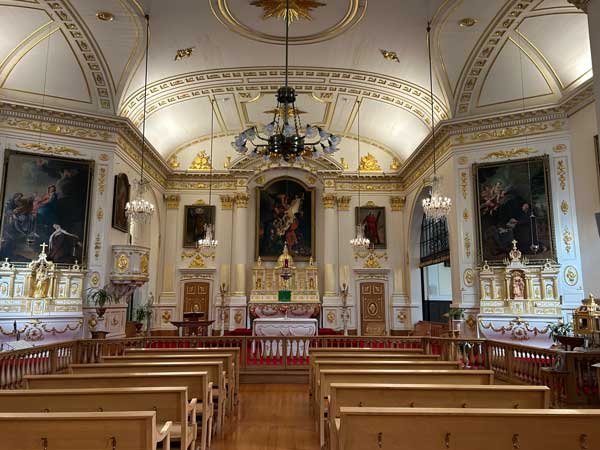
(172, 201)
(329, 201)
(343, 203)
(397, 203)
(227, 202)
(241, 199)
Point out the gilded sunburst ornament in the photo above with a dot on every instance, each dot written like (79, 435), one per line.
(299, 9)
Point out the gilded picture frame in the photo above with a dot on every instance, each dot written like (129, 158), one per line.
(195, 219)
(372, 219)
(121, 195)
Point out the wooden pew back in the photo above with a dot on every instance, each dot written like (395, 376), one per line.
(468, 429)
(78, 431)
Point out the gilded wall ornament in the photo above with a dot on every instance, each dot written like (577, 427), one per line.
(389, 55)
(183, 53)
(343, 203)
(568, 240)
(227, 202)
(369, 163)
(559, 148)
(173, 201)
(504, 154)
(310, 179)
(144, 264)
(466, 214)
(395, 165)
(397, 203)
(241, 199)
(564, 207)
(97, 246)
(49, 150)
(238, 317)
(173, 162)
(197, 262)
(227, 162)
(122, 263)
(467, 242)
(100, 214)
(330, 316)
(298, 9)
(371, 262)
(561, 173)
(571, 275)
(468, 277)
(201, 162)
(471, 322)
(102, 180)
(344, 163)
(166, 316)
(464, 184)
(329, 201)
(103, 157)
(54, 128)
(463, 160)
(95, 279)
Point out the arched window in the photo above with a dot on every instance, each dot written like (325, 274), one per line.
(435, 247)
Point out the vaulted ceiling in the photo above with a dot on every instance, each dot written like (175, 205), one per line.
(490, 57)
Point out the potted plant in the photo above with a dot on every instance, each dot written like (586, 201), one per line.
(456, 316)
(101, 297)
(142, 313)
(562, 332)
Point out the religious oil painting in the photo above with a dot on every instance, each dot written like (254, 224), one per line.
(45, 200)
(513, 200)
(120, 199)
(285, 215)
(372, 221)
(197, 218)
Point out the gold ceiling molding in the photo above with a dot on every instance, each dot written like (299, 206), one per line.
(253, 81)
(298, 9)
(354, 13)
(513, 153)
(50, 150)
(509, 132)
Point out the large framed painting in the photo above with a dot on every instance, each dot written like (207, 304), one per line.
(514, 203)
(45, 199)
(120, 199)
(285, 214)
(197, 217)
(372, 220)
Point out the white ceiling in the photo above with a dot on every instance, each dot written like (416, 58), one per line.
(511, 57)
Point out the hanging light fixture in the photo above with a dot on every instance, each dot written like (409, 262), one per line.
(360, 240)
(436, 206)
(281, 139)
(208, 242)
(139, 209)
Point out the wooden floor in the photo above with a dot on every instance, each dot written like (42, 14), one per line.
(271, 417)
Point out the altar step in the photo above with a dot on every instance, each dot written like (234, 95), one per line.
(274, 377)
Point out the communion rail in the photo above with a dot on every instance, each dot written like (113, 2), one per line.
(569, 374)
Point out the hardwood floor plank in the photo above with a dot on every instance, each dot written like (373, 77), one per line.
(271, 417)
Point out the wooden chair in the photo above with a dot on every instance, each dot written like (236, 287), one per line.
(468, 429)
(327, 377)
(196, 382)
(79, 431)
(214, 369)
(429, 396)
(169, 403)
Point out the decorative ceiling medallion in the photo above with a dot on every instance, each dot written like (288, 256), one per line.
(291, 112)
(299, 9)
(389, 55)
(183, 53)
(105, 16)
(225, 12)
(467, 22)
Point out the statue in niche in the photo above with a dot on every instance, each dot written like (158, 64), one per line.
(311, 283)
(40, 275)
(518, 286)
(258, 283)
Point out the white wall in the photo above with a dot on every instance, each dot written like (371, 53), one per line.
(583, 127)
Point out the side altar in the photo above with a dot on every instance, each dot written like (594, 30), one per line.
(519, 300)
(42, 302)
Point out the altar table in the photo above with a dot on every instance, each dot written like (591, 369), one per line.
(276, 327)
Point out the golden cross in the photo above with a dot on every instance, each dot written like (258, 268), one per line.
(43, 245)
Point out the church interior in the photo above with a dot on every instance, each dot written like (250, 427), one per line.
(299, 224)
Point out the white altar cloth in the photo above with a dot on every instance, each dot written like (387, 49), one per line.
(283, 327)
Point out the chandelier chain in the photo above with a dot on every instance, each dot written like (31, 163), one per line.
(145, 96)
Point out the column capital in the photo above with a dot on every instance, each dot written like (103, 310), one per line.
(581, 4)
(227, 202)
(172, 201)
(397, 203)
(329, 200)
(241, 199)
(343, 203)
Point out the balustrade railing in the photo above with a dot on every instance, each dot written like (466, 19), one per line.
(569, 374)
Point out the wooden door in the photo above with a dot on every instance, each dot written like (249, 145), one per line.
(196, 295)
(372, 309)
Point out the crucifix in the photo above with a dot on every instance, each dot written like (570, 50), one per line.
(44, 246)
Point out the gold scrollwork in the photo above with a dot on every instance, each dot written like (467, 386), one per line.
(343, 203)
(467, 242)
(238, 317)
(331, 317)
(100, 214)
(561, 173)
(201, 162)
(166, 316)
(144, 263)
(49, 150)
(122, 263)
(464, 184)
(503, 154)
(101, 180)
(173, 162)
(397, 203)
(571, 275)
(369, 163)
(469, 277)
(518, 328)
(328, 201)
(568, 240)
(564, 207)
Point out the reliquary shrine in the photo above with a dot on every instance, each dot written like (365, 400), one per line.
(518, 299)
(41, 301)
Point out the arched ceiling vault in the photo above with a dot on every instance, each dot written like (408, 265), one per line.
(490, 57)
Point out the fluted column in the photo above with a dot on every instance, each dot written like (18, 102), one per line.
(240, 245)
(171, 245)
(402, 310)
(330, 255)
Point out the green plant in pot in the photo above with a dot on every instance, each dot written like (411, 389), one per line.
(456, 313)
(101, 297)
(562, 332)
(142, 313)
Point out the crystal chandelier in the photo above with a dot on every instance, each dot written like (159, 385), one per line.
(436, 206)
(209, 242)
(284, 137)
(360, 240)
(139, 209)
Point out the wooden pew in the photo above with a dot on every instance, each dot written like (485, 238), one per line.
(429, 396)
(327, 377)
(366, 362)
(229, 357)
(196, 382)
(79, 431)
(235, 351)
(468, 429)
(214, 369)
(169, 403)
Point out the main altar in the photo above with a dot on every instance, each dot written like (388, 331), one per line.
(284, 291)
(519, 300)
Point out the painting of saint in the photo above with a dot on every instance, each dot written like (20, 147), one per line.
(197, 217)
(120, 199)
(45, 200)
(513, 202)
(372, 221)
(285, 215)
